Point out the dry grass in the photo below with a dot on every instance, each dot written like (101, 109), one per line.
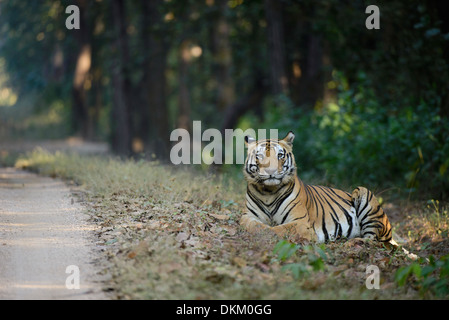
(173, 234)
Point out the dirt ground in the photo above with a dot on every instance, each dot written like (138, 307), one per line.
(43, 230)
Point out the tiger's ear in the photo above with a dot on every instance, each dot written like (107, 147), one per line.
(289, 138)
(249, 140)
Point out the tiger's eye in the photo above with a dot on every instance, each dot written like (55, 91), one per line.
(280, 155)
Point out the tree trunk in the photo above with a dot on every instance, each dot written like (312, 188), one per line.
(80, 111)
(141, 118)
(276, 48)
(184, 109)
(222, 55)
(158, 51)
(440, 11)
(249, 102)
(311, 83)
(121, 133)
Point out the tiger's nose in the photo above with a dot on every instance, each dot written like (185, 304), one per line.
(270, 171)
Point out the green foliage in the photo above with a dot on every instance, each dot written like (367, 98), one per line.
(285, 249)
(432, 277)
(383, 143)
(311, 257)
(380, 121)
(358, 141)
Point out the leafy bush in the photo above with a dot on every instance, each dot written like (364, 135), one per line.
(311, 259)
(432, 277)
(358, 141)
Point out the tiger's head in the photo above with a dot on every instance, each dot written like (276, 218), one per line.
(270, 162)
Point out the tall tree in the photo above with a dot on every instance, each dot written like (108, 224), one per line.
(276, 48)
(184, 109)
(222, 53)
(157, 47)
(80, 119)
(142, 125)
(440, 12)
(121, 132)
(310, 87)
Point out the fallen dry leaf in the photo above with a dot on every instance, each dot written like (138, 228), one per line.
(239, 262)
(157, 225)
(315, 283)
(355, 242)
(170, 267)
(216, 229)
(140, 248)
(182, 236)
(192, 241)
(230, 230)
(219, 216)
(340, 269)
(263, 267)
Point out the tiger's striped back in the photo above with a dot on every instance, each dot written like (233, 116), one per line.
(332, 213)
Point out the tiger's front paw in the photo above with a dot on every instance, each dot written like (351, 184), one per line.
(252, 225)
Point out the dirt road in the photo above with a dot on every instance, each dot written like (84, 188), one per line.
(44, 234)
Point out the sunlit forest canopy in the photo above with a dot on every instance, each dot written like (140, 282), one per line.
(367, 106)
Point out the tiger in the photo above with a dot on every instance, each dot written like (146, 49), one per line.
(277, 200)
